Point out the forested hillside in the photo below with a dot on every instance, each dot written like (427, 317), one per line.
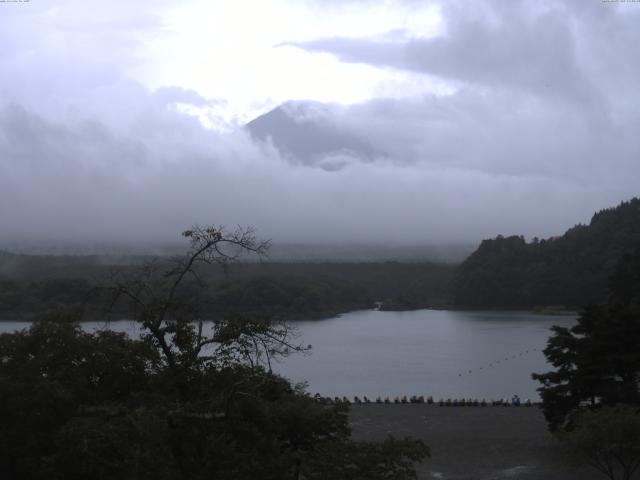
(570, 271)
(33, 285)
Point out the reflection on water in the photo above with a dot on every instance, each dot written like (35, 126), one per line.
(424, 352)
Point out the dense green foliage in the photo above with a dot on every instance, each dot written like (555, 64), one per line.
(75, 405)
(597, 361)
(608, 439)
(570, 270)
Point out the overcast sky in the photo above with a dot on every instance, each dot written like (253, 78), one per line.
(123, 121)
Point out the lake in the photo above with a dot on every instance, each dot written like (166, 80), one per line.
(442, 353)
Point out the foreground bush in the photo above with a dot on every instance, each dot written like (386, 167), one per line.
(76, 405)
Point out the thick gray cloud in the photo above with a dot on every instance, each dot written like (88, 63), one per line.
(561, 51)
(540, 132)
(86, 183)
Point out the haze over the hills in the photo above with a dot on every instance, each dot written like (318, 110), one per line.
(399, 123)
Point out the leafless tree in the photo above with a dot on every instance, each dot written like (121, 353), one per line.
(166, 297)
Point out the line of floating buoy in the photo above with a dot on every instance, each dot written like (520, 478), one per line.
(505, 359)
(462, 402)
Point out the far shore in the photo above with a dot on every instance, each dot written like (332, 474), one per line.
(550, 311)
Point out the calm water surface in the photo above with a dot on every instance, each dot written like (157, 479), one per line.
(424, 352)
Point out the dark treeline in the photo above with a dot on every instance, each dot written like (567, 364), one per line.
(570, 271)
(32, 285)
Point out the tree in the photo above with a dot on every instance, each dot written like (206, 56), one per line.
(166, 298)
(597, 361)
(608, 439)
(55, 374)
(592, 398)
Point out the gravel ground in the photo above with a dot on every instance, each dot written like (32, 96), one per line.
(483, 443)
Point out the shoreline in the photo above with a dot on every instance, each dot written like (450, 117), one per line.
(319, 316)
(473, 443)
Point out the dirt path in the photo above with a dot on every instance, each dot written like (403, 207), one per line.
(483, 443)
